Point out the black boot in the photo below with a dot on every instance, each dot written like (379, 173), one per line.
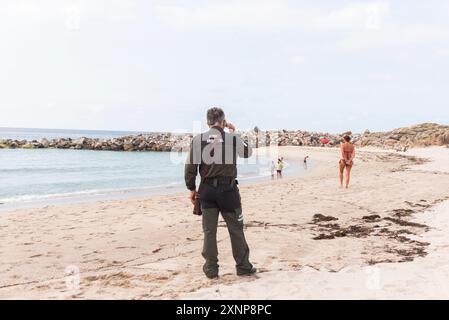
(247, 273)
(211, 274)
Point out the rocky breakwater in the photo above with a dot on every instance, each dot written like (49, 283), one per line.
(422, 135)
(173, 142)
(295, 138)
(148, 142)
(426, 134)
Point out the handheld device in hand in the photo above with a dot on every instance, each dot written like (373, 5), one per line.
(197, 206)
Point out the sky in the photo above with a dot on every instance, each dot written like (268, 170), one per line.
(328, 66)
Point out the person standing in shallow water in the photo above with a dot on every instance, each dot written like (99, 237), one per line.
(347, 159)
(214, 154)
(280, 167)
(305, 161)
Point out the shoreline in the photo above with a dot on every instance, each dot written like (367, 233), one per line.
(150, 248)
(92, 196)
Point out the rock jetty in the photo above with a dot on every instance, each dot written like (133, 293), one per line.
(422, 135)
(148, 142)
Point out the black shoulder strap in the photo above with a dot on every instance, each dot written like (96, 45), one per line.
(204, 168)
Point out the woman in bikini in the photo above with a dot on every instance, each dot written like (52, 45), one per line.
(346, 161)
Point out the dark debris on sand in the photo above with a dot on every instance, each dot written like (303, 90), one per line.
(412, 160)
(372, 261)
(372, 218)
(323, 236)
(401, 249)
(405, 223)
(403, 212)
(356, 231)
(336, 231)
(409, 254)
(322, 218)
(419, 205)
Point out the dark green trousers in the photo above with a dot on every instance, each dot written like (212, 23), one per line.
(240, 249)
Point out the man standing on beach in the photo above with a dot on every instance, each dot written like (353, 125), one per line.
(214, 153)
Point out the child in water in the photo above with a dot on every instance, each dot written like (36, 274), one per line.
(280, 167)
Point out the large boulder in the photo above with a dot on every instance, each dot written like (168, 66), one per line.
(98, 145)
(28, 145)
(396, 137)
(45, 143)
(444, 138)
(37, 145)
(128, 146)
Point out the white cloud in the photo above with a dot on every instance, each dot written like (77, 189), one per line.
(274, 13)
(396, 36)
(367, 15)
(71, 11)
(442, 52)
(363, 24)
(383, 76)
(243, 13)
(22, 9)
(297, 60)
(73, 17)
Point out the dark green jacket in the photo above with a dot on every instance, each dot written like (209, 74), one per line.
(214, 154)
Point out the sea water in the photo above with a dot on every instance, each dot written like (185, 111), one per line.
(47, 174)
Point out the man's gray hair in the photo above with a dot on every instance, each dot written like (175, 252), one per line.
(215, 116)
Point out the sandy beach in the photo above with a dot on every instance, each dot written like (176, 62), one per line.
(385, 237)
